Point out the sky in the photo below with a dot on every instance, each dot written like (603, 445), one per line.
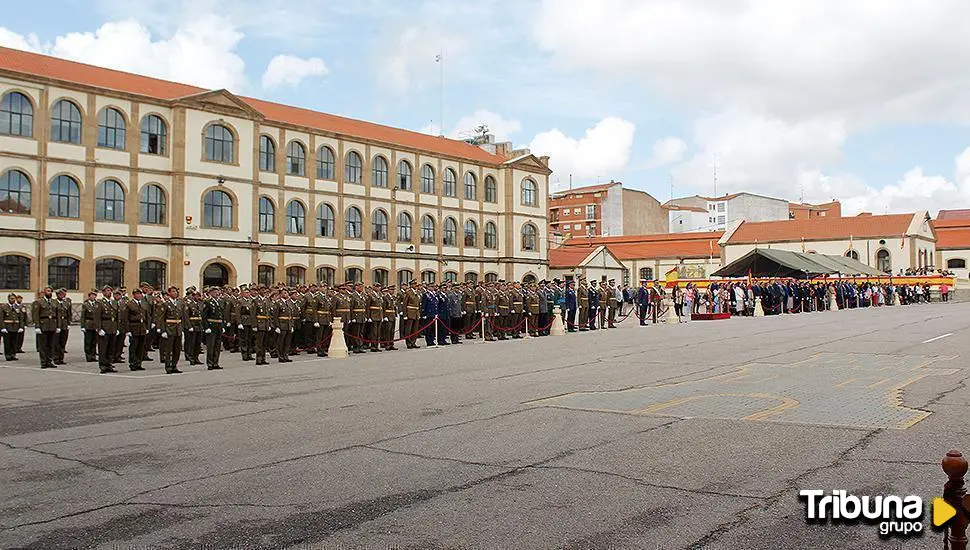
(866, 101)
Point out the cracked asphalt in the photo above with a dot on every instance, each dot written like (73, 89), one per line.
(454, 447)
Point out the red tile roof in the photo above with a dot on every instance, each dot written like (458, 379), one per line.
(962, 214)
(822, 228)
(657, 246)
(154, 88)
(957, 238)
(587, 189)
(944, 224)
(570, 256)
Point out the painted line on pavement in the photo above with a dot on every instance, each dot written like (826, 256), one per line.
(937, 338)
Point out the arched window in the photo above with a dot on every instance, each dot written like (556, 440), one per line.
(354, 275)
(62, 272)
(109, 272)
(215, 274)
(379, 225)
(217, 210)
(471, 233)
(267, 154)
(404, 224)
(428, 277)
(152, 272)
(326, 220)
(325, 163)
(471, 277)
(295, 159)
(491, 235)
(295, 275)
(14, 192)
(646, 273)
(154, 135)
(16, 115)
(295, 218)
(326, 275)
(111, 128)
(471, 187)
(65, 122)
(353, 224)
(219, 144)
(529, 234)
(109, 202)
(449, 232)
(491, 189)
(491, 277)
(65, 198)
(449, 277)
(151, 205)
(852, 254)
(427, 179)
(267, 215)
(427, 229)
(265, 275)
(956, 263)
(404, 176)
(883, 261)
(380, 276)
(449, 183)
(379, 172)
(529, 279)
(353, 168)
(14, 272)
(529, 192)
(404, 277)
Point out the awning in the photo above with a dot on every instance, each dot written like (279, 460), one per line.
(769, 262)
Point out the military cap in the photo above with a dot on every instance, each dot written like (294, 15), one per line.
(501, 280)
(93, 291)
(413, 282)
(612, 280)
(173, 288)
(136, 291)
(107, 287)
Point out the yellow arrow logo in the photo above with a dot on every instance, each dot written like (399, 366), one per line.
(942, 512)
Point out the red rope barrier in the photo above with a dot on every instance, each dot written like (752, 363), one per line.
(413, 335)
(469, 331)
(516, 327)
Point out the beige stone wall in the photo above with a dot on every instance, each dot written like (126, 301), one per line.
(643, 214)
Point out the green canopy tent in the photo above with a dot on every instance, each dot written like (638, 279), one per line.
(769, 262)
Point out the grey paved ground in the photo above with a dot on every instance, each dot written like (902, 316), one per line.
(689, 436)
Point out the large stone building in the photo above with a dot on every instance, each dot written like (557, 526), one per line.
(113, 178)
(606, 209)
(688, 213)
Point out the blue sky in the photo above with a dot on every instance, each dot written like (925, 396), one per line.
(862, 101)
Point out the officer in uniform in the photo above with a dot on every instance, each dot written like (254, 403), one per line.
(471, 311)
(530, 302)
(213, 323)
(64, 314)
(168, 319)
(285, 311)
(489, 306)
(192, 326)
(323, 320)
(341, 308)
(261, 326)
(311, 325)
(118, 343)
(375, 315)
(358, 317)
(571, 306)
(429, 313)
(614, 301)
(106, 325)
(87, 327)
(389, 303)
(44, 314)
(594, 303)
(10, 327)
(582, 293)
(230, 337)
(133, 320)
(503, 303)
(242, 319)
(411, 314)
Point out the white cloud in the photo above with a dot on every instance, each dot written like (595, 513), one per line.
(411, 61)
(291, 70)
(603, 151)
(667, 151)
(499, 126)
(200, 52)
(13, 40)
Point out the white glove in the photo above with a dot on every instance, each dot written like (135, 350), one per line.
(37, 330)
(101, 332)
(57, 330)
(386, 319)
(158, 330)
(277, 330)
(291, 330)
(164, 335)
(153, 325)
(3, 330)
(191, 329)
(128, 334)
(82, 329)
(21, 329)
(254, 329)
(208, 331)
(317, 325)
(239, 326)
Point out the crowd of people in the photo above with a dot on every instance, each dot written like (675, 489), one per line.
(277, 322)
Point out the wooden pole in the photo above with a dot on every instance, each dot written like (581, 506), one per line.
(955, 493)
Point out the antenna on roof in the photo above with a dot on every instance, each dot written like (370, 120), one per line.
(715, 175)
(440, 60)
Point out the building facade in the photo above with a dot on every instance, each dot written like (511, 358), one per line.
(684, 212)
(953, 243)
(115, 178)
(606, 209)
(891, 243)
(803, 210)
(594, 263)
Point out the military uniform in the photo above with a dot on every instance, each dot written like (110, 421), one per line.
(261, 326)
(168, 318)
(516, 312)
(44, 313)
(134, 321)
(213, 323)
(472, 312)
(375, 317)
(192, 327)
(487, 304)
(500, 324)
(411, 316)
(88, 309)
(582, 294)
(358, 318)
(106, 325)
(389, 302)
(285, 312)
(324, 322)
(64, 314)
(243, 319)
(10, 328)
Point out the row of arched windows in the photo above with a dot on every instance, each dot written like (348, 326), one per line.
(326, 221)
(17, 119)
(64, 272)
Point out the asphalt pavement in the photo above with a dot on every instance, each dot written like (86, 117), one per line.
(694, 435)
